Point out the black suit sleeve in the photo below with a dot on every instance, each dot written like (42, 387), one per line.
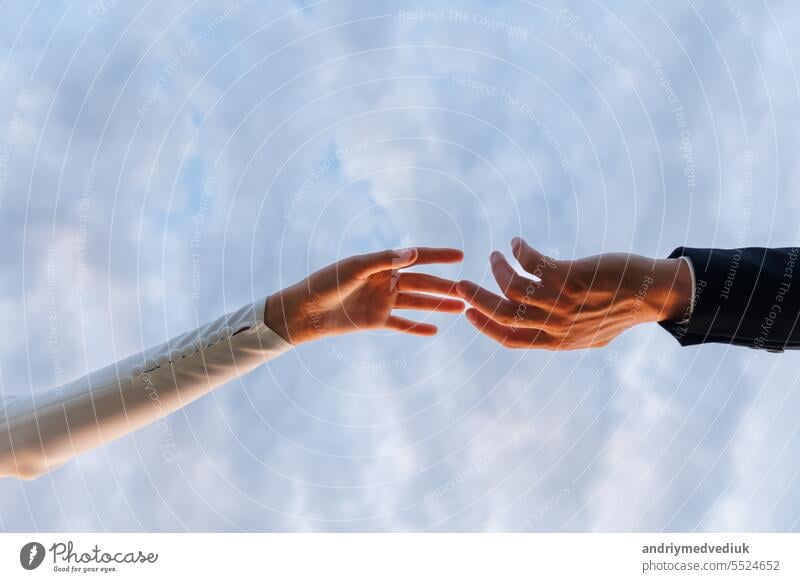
(746, 297)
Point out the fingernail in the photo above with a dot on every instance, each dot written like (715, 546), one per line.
(461, 289)
(516, 242)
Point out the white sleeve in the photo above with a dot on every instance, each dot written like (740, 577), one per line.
(40, 431)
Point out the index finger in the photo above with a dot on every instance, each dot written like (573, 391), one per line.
(372, 263)
(428, 255)
(519, 288)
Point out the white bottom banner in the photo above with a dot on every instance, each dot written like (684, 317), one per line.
(401, 557)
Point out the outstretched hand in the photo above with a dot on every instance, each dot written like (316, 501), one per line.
(361, 292)
(575, 304)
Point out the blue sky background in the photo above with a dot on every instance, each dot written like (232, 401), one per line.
(162, 163)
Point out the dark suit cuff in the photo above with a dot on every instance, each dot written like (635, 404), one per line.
(686, 330)
(740, 298)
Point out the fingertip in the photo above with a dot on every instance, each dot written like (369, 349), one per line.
(499, 259)
(458, 255)
(451, 305)
(461, 288)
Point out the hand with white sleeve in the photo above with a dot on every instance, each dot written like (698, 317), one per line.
(360, 293)
(40, 430)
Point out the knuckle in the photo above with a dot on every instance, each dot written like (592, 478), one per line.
(517, 289)
(519, 317)
(502, 318)
(514, 294)
(555, 322)
(532, 288)
(506, 316)
(573, 288)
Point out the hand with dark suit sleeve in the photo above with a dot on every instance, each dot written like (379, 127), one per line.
(576, 304)
(746, 297)
(743, 297)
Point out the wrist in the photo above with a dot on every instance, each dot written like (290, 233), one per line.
(281, 318)
(673, 278)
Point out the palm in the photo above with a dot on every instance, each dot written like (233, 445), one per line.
(369, 305)
(361, 292)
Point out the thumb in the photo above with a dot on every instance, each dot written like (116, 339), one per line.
(531, 260)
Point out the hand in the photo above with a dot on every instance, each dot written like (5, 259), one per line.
(360, 293)
(577, 304)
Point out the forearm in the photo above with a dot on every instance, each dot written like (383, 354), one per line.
(40, 431)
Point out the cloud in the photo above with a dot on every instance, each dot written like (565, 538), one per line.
(274, 138)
